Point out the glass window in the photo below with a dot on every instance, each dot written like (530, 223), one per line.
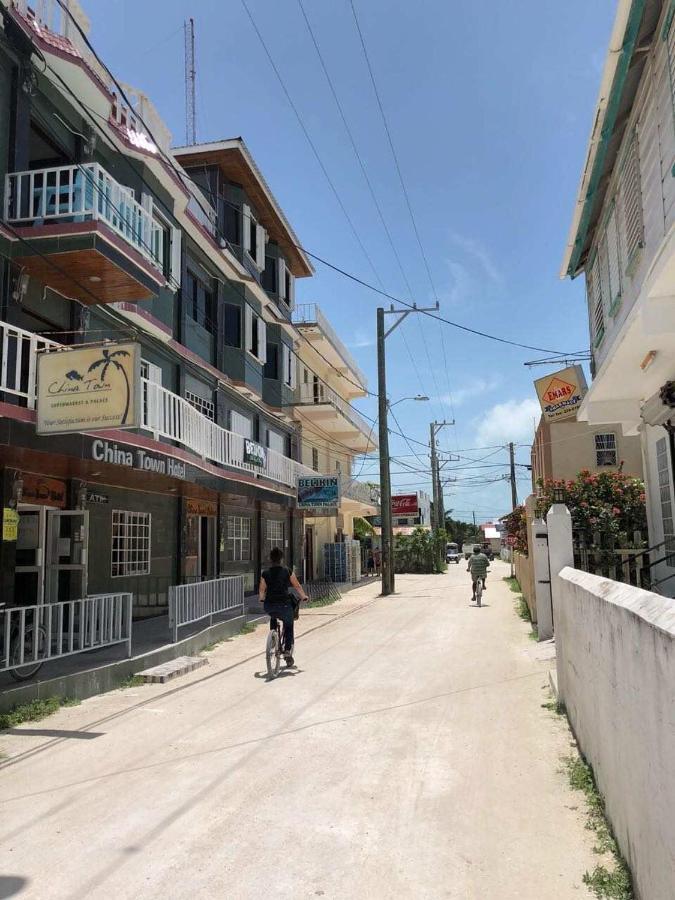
(238, 538)
(271, 368)
(269, 275)
(605, 450)
(663, 470)
(274, 537)
(315, 459)
(205, 407)
(130, 551)
(232, 323)
(232, 222)
(200, 303)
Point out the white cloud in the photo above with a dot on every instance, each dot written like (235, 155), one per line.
(513, 420)
(474, 389)
(361, 339)
(479, 253)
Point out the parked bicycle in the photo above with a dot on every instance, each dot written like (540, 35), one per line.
(24, 650)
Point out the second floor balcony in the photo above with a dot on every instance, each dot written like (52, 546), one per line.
(320, 404)
(318, 331)
(83, 234)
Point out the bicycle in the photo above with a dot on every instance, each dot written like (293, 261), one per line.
(35, 656)
(273, 651)
(478, 591)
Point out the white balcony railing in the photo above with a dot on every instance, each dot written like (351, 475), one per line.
(18, 366)
(82, 193)
(318, 394)
(311, 314)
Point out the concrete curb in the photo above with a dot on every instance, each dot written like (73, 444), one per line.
(101, 679)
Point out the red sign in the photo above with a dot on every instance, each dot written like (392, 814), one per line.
(511, 540)
(404, 505)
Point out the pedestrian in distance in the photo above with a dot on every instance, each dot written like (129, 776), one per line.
(274, 592)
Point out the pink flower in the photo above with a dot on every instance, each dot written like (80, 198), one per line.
(616, 510)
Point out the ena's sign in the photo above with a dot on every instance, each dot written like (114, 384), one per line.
(254, 454)
(320, 493)
(560, 394)
(89, 388)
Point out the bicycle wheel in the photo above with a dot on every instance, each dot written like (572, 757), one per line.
(272, 654)
(479, 591)
(23, 673)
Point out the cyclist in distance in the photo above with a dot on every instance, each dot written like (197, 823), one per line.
(478, 566)
(275, 595)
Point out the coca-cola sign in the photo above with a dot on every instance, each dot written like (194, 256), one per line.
(404, 505)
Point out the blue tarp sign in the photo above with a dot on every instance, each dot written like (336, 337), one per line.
(320, 493)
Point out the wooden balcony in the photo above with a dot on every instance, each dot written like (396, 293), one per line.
(84, 235)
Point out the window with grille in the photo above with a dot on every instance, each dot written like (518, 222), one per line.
(315, 459)
(630, 191)
(130, 543)
(205, 407)
(238, 538)
(274, 537)
(663, 470)
(605, 450)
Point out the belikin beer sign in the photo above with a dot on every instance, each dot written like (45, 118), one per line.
(561, 393)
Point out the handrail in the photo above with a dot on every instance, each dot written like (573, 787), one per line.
(312, 314)
(82, 192)
(315, 395)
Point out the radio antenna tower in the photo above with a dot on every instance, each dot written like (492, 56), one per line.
(190, 83)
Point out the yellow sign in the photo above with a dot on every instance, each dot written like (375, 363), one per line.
(10, 524)
(561, 393)
(89, 388)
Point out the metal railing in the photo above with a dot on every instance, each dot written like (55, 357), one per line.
(190, 603)
(35, 634)
(167, 415)
(311, 314)
(81, 193)
(18, 362)
(318, 393)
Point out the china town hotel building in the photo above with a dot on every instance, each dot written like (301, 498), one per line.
(107, 233)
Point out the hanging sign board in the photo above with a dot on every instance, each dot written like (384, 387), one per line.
(89, 388)
(319, 495)
(254, 454)
(561, 393)
(10, 524)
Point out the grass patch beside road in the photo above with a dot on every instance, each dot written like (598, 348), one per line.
(34, 711)
(614, 883)
(521, 607)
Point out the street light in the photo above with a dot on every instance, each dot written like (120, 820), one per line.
(419, 397)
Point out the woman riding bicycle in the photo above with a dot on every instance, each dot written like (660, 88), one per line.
(275, 595)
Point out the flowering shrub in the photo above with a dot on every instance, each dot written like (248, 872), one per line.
(608, 503)
(516, 525)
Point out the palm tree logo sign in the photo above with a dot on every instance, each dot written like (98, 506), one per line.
(107, 360)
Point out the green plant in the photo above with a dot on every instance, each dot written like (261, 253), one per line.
(513, 584)
(247, 628)
(516, 526)
(422, 551)
(362, 529)
(34, 711)
(522, 609)
(606, 884)
(132, 681)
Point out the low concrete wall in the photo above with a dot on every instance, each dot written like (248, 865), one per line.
(524, 570)
(616, 675)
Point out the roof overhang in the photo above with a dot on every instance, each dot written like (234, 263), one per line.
(634, 28)
(236, 163)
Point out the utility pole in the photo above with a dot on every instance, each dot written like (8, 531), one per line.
(190, 83)
(385, 472)
(512, 477)
(434, 473)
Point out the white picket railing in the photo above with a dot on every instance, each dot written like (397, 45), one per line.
(81, 193)
(316, 394)
(311, 314)
(18, 363)
(203, 599)
(35, 634)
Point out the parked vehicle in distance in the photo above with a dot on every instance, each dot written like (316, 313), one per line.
(452, 553)
(467, 549)
(487, 550)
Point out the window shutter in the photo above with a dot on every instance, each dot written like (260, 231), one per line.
(246, 227)
(284, 363)
(291, 296)
(281, 278)
(176, 268)
(294, 370)
(154, 373)
(262, 341)
(631, 201)
(613, 257)
(602, 263)
(261, 240)
(248, 330)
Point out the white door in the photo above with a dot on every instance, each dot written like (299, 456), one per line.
(30, 555)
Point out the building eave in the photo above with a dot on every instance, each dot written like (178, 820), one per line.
(612, 96)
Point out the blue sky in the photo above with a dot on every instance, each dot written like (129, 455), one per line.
(489, 106)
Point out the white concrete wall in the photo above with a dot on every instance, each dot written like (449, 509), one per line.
(616, 676)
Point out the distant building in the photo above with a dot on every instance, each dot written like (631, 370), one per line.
(411, 510)
(563, 449)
